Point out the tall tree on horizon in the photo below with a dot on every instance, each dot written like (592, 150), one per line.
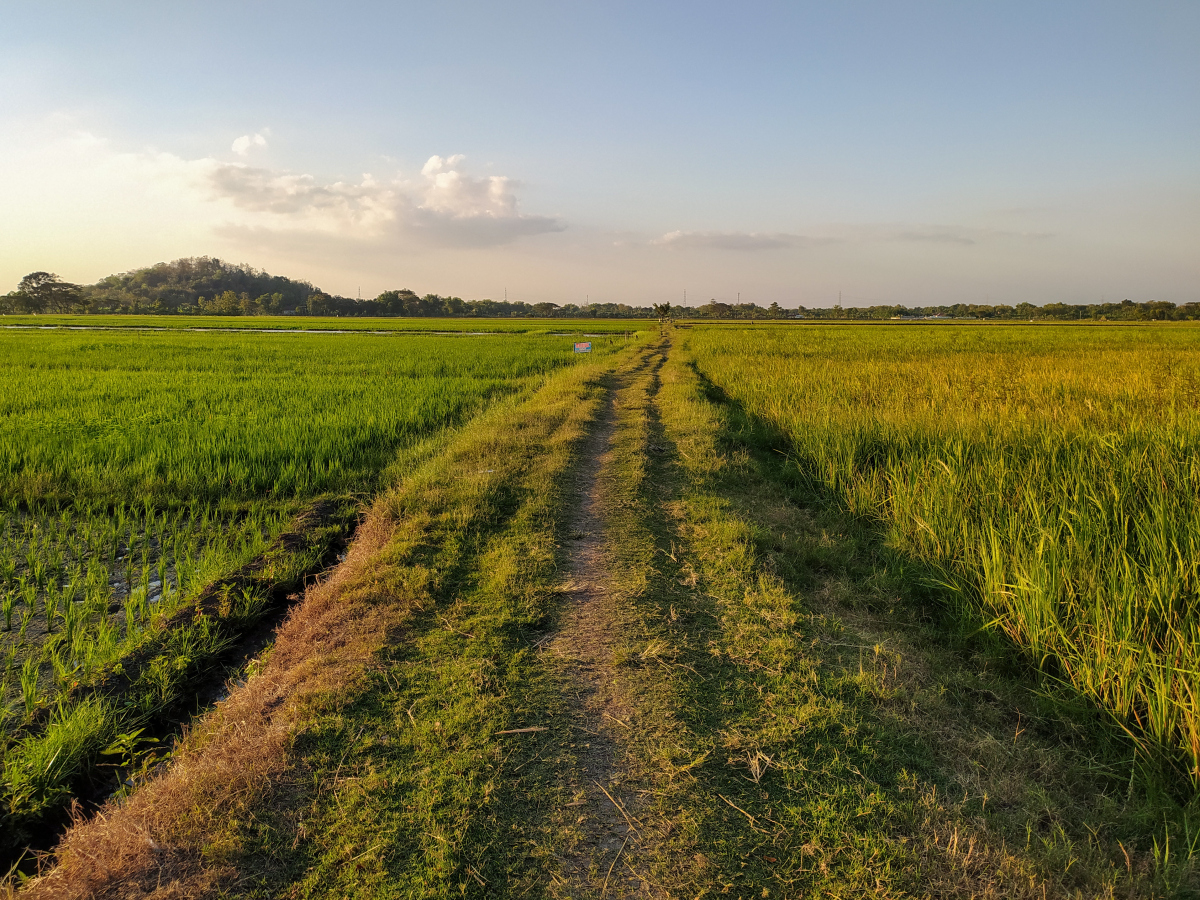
(44, 291)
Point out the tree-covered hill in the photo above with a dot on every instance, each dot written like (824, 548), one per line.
(204, 285)
(186, 285)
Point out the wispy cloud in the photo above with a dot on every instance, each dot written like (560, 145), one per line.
(933, 236)
(753, 241)
(729, 240)
(948, 234)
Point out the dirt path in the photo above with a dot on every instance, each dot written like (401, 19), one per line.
(584, 645)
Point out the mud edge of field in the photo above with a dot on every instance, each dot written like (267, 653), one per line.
(308, 546)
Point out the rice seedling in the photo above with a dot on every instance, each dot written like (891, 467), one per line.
(50, 607)
(71, 618)
(1047, 481)
(29, 685)
(60, 665)
(10, 660)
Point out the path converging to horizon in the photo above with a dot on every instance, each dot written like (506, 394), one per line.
(608, 632)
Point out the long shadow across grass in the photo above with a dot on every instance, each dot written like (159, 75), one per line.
(854, 736)
(1059, 709)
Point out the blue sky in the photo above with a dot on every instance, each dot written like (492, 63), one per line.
(912, 153)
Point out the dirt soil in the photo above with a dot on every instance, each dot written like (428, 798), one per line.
(585, 644)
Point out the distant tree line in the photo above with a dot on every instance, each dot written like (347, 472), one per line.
(207, 286)
(203, 285)
(1125, 311)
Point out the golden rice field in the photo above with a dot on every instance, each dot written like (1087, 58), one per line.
(1048, 480)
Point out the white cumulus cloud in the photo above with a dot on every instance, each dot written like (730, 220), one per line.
(444, 205)
(241, 146)
(448, 190)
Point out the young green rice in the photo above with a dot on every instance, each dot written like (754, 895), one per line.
(138, 467)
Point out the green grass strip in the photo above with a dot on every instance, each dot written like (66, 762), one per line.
(407, 788)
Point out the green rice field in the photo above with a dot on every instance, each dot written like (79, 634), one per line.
(140, 469)
(459, 325)
(1048, 480)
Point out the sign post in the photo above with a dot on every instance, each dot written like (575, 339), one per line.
(583, 346)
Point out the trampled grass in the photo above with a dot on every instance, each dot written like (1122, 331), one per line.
(139, 468)
(1047, 480)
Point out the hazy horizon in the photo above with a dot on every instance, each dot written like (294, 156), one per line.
(924, 155)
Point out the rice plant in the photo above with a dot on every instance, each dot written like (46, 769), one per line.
(1047, 479)
(29, 685)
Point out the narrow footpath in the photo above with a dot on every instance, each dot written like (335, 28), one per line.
(584, 646)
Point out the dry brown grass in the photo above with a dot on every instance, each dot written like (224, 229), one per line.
(159, 843)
